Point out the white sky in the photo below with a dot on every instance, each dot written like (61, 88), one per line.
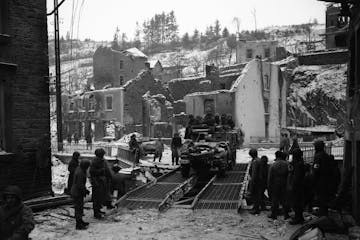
(99, 18)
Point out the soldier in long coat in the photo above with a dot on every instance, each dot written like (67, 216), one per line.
(78, 192)
(323, 171)
(277, 181)
(99, 177)
(296, 185)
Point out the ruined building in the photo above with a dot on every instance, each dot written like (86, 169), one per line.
(93, 111)
(24, 97)
(336, 28)
(265, 49)
(114, 68)
(256, 100)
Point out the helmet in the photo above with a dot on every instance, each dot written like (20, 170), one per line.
(13, 190)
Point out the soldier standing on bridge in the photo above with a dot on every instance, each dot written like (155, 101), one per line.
(99, 176)
(296, 185)
(258, 181)
(277, 181)
(323, 170)
(78, 192)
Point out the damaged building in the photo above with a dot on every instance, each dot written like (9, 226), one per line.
(115, 67)
(256, 100)
(264, 49)
(93, 111)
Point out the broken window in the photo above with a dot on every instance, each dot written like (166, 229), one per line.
(121, 80)
(266, 82)
(91, 103)
(267, 52)
(249, 53)
(121, 64)
(266, 106)
(71, 106)
(108, 103)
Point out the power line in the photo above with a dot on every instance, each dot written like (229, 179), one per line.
(55, 8)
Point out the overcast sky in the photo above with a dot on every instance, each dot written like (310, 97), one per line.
(98, 19)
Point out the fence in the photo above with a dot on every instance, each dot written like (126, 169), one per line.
(309, 152)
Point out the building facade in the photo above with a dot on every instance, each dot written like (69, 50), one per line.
(249, 50)
(256, 100)
(114, 68)
(121, 107)
(24, 97)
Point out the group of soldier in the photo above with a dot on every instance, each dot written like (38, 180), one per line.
(104, 180)
(292, 183)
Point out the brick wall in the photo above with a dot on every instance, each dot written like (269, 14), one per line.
(324, 58)
(183, 86)
(133, 96)
(106, 62)
(27, 100)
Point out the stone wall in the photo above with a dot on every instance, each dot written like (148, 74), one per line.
(183, 86)
(107, 69)
(324, 58)
(26, 99)
(134, 91)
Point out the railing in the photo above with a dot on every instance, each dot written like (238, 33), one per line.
(309, 152)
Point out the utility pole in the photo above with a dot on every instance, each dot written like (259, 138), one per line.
(58, 78)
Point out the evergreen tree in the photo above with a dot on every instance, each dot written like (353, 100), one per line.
(217, 29)
(195, 36)
(225, 33)
(115, 41)
(186, 40)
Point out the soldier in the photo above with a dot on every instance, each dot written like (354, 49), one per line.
(175, 148)
(159, 149)
(99, 177)
(285, 144)
(296, 185)
(135, 148)
(277, 180)
(16, 219)
(254, 157)
(322, 176)
(258, 181)
(78, 192)
(73, 164)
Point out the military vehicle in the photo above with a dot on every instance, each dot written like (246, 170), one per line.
(210, 150)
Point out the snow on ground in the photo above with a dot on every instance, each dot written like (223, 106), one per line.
(150, 224)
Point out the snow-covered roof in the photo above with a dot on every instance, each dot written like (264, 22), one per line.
(208, 93)
(153, 63)
(320, 128)
(135, 52)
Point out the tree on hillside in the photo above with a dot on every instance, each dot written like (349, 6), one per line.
(115, 41)
(186, 41)
(217, 29)
(137, 41)
(225, 33)
(231, 44)
(196, 36)
(209, 33)
(237, 23)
